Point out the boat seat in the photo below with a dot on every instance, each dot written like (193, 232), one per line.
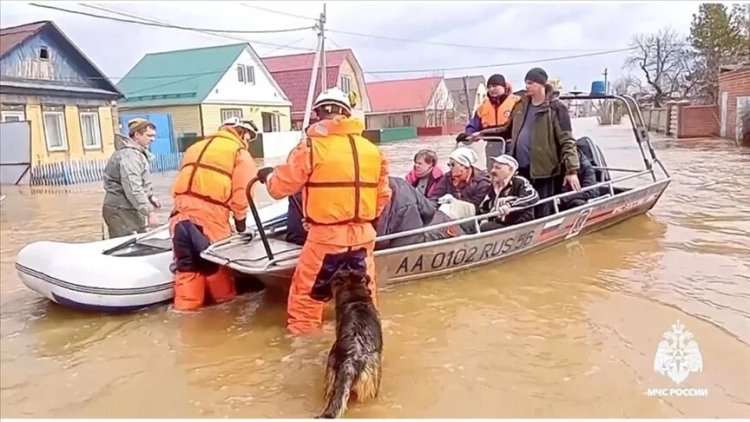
(588, 148)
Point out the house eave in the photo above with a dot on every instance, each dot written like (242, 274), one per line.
(32, 88)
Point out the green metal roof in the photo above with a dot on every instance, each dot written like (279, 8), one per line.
(177, 77)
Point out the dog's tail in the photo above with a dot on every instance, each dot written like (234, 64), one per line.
(342, 387)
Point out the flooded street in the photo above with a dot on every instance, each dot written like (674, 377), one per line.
(567, 332)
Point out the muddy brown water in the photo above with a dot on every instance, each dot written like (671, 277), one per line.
(567, 332)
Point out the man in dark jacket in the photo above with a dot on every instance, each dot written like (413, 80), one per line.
(509, 190)
(464, 182)
(542, 140)
(407, 210)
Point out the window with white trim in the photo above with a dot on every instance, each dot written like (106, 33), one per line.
(250, 74)
(228, 113)
(55, 134)
(13, 116)
(241, 73)
(91, 132)
(345, 83)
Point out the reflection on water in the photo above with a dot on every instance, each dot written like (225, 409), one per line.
(566, 332)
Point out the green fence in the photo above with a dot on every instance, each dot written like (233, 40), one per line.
(381, 136)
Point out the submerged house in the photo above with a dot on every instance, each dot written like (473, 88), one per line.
(292, 72)
(466, 105)
(55, 104)
(420, 102)
(188, 93)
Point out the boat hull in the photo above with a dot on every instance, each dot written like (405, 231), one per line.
(455, 254)
(117, 275)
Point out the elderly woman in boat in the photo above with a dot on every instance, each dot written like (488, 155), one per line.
(461, 190)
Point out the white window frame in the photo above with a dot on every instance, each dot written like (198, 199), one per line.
(97, 130)
(227, 113)
(250, 75)
(275, 122)
(240, 73)
(63, 130)
(13, 113)
(346, 83)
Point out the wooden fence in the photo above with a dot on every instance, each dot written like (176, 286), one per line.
(88, 171)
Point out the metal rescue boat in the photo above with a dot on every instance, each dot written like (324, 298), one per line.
(272, 260)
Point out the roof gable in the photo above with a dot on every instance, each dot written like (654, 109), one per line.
(402, 94)
(293, 72)
(79, 70)
(178, 77)
(12, 37)
(457, 84)
(456, 88)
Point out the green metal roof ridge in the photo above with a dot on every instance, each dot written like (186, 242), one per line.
(178, 73)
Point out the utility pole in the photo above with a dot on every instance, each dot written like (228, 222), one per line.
(323, 66)
(606, 86)
(466, 92)
(314, 72)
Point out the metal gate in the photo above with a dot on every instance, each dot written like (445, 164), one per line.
(164, 142)
(743, 116)
(15, 153)
(724, 126)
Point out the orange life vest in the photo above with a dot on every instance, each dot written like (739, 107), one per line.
(207, 168)
(342, 188)
(492, 116)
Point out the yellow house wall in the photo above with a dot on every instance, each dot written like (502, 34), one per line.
(75, 150)
(212, 115)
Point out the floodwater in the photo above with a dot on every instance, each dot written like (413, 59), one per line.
(567, 332)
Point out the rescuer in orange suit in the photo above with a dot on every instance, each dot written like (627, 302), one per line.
(211, 183)
(494, 112)
(344, 182)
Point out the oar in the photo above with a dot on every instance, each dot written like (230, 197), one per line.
(256, 217)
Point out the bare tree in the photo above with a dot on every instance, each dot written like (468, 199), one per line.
(661, 57)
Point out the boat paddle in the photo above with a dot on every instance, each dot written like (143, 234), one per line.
(256, 217)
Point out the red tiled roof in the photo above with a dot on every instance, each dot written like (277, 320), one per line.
(402, 94)
(334, 58)
(292, 73)
(15, 35)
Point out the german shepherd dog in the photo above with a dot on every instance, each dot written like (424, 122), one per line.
(354, 361)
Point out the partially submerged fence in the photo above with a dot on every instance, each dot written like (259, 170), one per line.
(89, 171)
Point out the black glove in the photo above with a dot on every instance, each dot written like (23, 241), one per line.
(263, 174)
(240, 225)
(461, 137)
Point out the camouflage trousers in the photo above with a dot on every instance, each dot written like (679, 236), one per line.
(123, 222)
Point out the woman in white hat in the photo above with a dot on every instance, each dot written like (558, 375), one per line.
(463, 187)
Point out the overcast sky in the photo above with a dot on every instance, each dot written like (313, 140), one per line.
(532, 31)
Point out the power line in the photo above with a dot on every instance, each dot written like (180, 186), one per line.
(445, 44)
(551, 59)
(441, 44)
(278, 12)
(141, 22)
(229, 37)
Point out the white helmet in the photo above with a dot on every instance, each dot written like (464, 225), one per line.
(335, 97)
(245, 124)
